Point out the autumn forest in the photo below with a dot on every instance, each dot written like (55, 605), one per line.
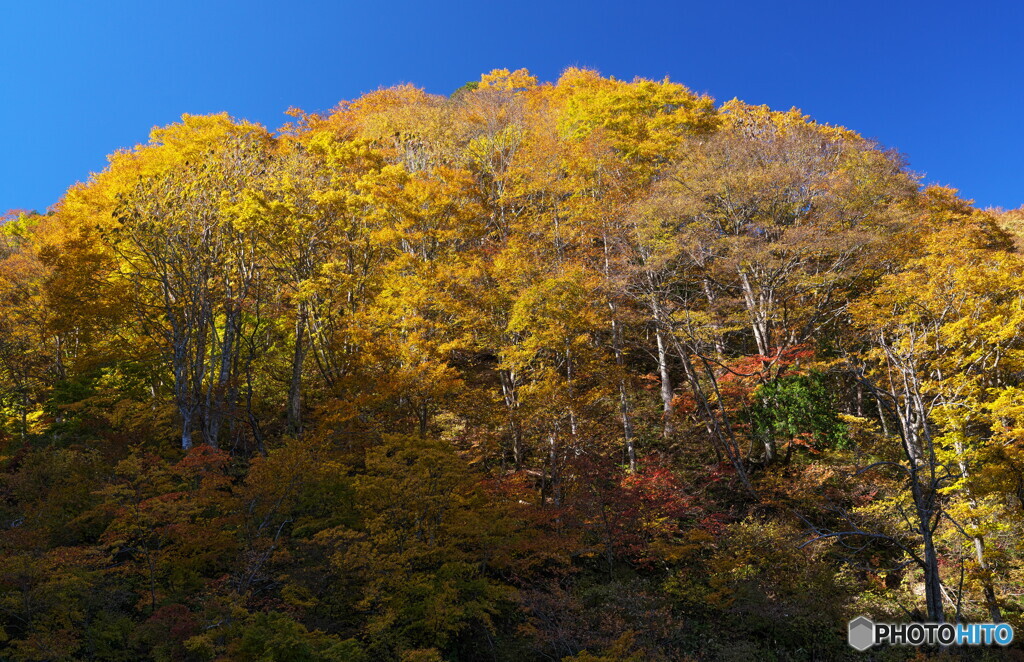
(589, 371)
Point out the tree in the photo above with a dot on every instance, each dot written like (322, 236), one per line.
(192, 269)
(926, 382)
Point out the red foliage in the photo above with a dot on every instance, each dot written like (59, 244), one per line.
(629, 515)
(175, 621)
(203, 459)
(758, 367)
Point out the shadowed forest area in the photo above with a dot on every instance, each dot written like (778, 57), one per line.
(588, 371)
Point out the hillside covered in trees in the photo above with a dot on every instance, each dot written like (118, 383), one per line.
(585, 371)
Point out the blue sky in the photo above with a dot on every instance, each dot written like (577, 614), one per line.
(942, 82)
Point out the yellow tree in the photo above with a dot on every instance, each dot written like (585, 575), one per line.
(944, 337)
(31, 352)
(194, 272)
(770, 225)
(556, 320)
(306, 211)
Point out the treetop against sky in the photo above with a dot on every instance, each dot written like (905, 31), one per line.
(933, 80)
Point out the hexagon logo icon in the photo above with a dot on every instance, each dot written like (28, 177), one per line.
(862, 633)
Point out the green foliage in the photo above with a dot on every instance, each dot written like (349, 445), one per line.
(275, 637)
(794, 407)
(468, 86)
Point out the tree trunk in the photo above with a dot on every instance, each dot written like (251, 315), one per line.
(988, 587)
(758, 321)
(556, 482)
(915, 432)
(932, 579)
(720, 432)
(508, 393)
(186, 431)
(218, 390)
(295, 385)
(624, 409)
(667, 392)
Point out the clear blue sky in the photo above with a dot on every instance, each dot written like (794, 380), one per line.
(940, 81)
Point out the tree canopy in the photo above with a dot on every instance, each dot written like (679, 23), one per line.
(585, 370)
